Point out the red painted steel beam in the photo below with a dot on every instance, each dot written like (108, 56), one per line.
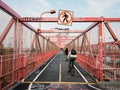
(9, 10)
(61, 31)
(112, 19)
(54, 19)
(6, 30)
(86, 30)
(63, 40)
(75, 19)
(111, 31)
(47, 36)
(112, 34)
(100, 51)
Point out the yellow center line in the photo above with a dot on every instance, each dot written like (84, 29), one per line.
(60, 71)
(38, 82)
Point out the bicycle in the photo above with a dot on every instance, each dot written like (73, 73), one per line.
(71, 68)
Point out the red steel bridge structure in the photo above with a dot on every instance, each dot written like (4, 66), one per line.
(23, 48)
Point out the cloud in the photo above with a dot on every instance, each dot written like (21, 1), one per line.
(99, 7)
(59, 3)
(45, 3)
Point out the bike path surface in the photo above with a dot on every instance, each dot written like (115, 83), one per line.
(56, 77)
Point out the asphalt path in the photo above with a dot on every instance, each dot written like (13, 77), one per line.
(53, 75)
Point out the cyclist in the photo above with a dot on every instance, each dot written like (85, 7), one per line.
(71, 57)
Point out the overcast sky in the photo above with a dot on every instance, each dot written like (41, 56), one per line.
(81, 8)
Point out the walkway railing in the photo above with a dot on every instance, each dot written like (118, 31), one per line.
(14, 68)
(99, 50)
(22, 48)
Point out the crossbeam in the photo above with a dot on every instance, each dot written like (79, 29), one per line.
(57, 82)
(75, 19)
(61, 31)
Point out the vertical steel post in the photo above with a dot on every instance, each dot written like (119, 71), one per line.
(85, 46)
(0, 72)
(47, 47)
(20, 38)
(77, 44)
(100, 52)
(15, 48)
(43, 44)
(114, 59)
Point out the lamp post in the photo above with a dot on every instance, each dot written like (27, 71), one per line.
(51, 12)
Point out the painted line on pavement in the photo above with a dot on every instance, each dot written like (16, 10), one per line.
(85, 79)
(30, 85)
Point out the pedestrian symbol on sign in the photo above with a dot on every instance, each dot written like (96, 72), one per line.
(65, 17)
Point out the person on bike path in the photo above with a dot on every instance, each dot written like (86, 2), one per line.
(71, 57)
(66, 53)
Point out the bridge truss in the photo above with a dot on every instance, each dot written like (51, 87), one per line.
(23, 48)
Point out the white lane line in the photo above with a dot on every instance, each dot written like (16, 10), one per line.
(30, 85)
(85, 79)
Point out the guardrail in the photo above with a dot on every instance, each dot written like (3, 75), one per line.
(110, 68)
(14, 68)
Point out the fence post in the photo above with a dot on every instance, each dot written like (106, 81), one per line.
(0, 72)
(100, 51)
